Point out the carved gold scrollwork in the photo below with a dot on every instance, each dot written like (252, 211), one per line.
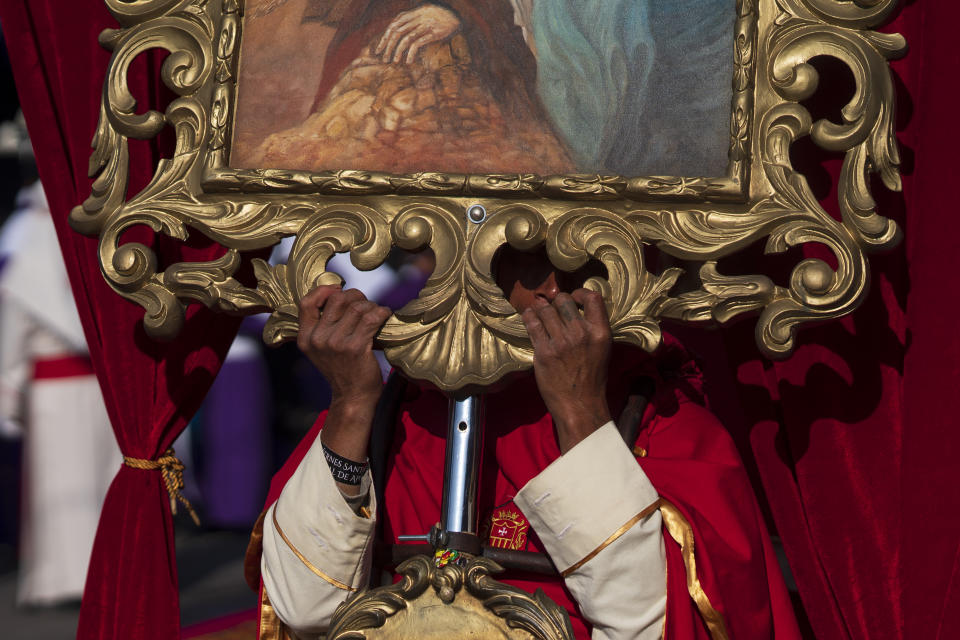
(630, 290)
(858, 14)
(449, 324)
(867, 133)
(461, 331)
(816, 291)
(534, 613)
(428, 602)
(521, 227)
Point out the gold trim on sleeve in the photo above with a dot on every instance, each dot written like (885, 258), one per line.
(309, 565)
(616, 534)
(681, 531)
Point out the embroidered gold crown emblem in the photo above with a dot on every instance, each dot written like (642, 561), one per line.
(508, 529)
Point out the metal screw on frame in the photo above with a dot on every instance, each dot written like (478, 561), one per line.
(476, 213)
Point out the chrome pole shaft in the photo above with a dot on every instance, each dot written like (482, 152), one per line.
(461, 471)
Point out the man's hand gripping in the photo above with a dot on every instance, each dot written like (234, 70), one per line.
(570, 356)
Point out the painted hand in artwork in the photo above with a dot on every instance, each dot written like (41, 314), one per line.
(336, 332)
(570, 356)
(412, 30)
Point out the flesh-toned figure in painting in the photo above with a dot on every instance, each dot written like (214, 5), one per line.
(411, 86)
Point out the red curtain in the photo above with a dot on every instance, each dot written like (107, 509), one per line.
(151, 390)
(929, 531)
(852, 441)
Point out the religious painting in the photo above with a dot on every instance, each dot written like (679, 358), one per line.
(620, 87)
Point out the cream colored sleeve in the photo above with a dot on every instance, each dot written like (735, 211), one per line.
(596, 513)
(316, 549)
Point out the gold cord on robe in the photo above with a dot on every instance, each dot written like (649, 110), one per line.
(271, 627)
(681, 531)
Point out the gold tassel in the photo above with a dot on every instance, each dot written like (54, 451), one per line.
(172, 470)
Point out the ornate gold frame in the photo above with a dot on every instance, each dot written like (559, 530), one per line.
(461, 330)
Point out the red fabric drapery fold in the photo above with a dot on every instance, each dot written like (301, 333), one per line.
(852, 440)
(929, 533)
(151, 390)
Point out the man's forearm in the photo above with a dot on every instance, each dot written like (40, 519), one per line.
(346, 431)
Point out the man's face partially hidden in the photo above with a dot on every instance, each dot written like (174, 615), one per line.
(525, 276)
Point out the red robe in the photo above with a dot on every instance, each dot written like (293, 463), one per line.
(690, 459)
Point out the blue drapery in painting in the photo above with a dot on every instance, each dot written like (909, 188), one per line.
(611, 73)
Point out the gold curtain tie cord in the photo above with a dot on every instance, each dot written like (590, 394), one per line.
(172, 470)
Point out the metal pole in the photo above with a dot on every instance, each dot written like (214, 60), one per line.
(458, 512)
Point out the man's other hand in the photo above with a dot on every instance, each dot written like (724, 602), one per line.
(336, 333)
(570, 356)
